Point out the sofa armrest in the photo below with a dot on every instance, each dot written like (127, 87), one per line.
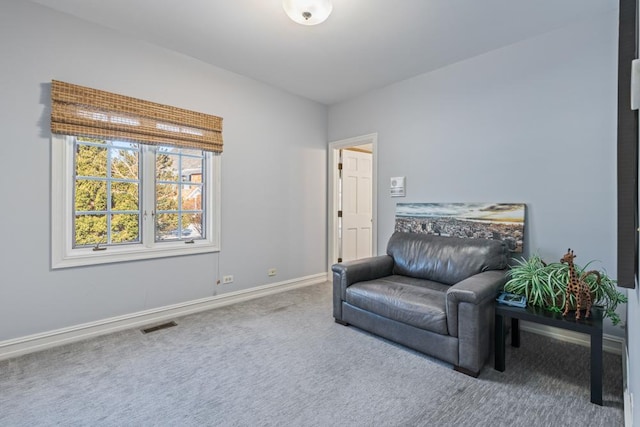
(360, 270)
(470, 313)
(478, 287)
(476, 290)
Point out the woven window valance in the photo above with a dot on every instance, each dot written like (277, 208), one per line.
(79, 110)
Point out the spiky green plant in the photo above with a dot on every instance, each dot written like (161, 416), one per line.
(544, 285)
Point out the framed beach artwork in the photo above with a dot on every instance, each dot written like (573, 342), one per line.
(497, 221)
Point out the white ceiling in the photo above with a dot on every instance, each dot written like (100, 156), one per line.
(364, 45)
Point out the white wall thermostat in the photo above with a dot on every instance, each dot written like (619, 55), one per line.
(397, 186)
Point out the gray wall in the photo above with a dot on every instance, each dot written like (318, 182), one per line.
(534, 122)
(273, 175)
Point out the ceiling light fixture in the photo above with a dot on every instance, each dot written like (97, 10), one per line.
(308, 12)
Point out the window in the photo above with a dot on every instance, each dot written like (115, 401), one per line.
(121, 194)
(106, 193)
(123, 201)
(178, 191)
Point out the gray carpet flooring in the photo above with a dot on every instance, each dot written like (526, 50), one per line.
(281, 360)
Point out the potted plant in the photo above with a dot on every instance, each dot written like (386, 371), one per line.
(544, 285)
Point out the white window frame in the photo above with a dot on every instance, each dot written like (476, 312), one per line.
(64, 255)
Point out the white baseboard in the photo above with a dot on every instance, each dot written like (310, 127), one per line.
(628, 396)
(610, 343)
(31, 343)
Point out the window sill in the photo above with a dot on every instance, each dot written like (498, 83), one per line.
(87, 256)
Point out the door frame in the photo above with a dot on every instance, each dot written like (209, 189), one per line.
(333, 202)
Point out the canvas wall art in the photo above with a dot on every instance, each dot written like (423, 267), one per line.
(498, 221)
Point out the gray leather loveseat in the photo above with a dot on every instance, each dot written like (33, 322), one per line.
(430, 293)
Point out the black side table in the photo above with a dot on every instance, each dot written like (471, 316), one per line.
(591, 326)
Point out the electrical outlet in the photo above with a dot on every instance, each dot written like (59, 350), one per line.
(227, 279)
(272, 272)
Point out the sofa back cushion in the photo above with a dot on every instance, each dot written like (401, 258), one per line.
(444, 259)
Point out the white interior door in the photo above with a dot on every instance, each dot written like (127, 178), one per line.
(357, 218)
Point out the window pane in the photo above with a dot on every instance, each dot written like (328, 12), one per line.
(166, 197)
(124, 196)
(90, 195)
(124, 228)
(91, 140)
(191, 169)
(192, 227)
(124, 164)
(90, 229)
(192, 197)
(166, 226)
(91, 161)
(167, 167)
(125, 145)
(190, 152)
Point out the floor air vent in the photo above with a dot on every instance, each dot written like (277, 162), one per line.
(158, 327)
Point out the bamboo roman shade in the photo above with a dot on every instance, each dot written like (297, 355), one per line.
(82, 111)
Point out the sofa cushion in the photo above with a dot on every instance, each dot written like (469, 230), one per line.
(420, 303)
(444, 259)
